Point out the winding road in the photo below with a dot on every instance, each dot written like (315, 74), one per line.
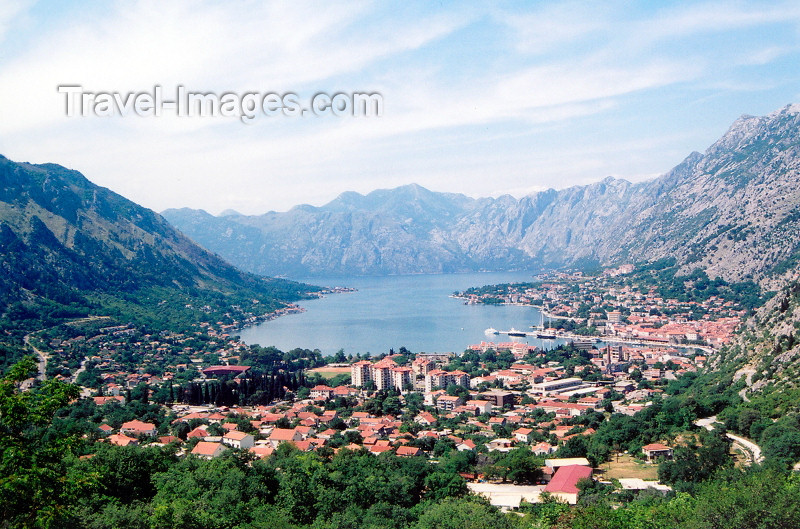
(42, 363)
(43, 357)
(752, 450)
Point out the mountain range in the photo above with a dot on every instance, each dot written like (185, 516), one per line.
(733, 210)
(69, 248)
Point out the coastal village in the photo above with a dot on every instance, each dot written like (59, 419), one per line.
(604, 306)
(493, 398)
(533, 402)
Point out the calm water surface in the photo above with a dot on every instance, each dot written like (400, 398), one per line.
(390, 312)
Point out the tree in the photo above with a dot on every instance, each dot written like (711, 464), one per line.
(339, 357)
(574, 447)
(181, 430)
(414, 402)
(353, 437)
(463, 513)
(214, 494)
(392, 406)
(125, 472)
(456, 390)
(35, 489)
(783, 449)
(752, 500)
(215, 429)
(521, 465)
(441, 485)
(692, 464)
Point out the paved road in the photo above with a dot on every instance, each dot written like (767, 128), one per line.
(42, 364)
(74, 377)
(749, 446)
(43, 357)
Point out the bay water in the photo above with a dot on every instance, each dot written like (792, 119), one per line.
(416, 312)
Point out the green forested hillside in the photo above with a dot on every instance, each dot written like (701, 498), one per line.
(69, 248)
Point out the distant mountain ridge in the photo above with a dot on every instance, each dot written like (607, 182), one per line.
(733, 210)
(68, 246)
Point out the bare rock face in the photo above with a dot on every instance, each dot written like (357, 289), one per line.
(734, 211)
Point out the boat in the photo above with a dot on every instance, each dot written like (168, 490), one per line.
(491, 330)
(542, 333)
(514, 332)
(546, 334)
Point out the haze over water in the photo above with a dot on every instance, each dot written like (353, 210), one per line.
(389, 312)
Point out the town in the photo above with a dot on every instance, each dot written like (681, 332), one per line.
(622, 305)
(487, 402)
(521, 423)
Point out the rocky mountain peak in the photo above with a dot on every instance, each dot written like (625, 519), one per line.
(732, 210)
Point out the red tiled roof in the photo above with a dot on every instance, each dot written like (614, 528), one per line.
(121, 440)
(409, 451)
(262, 451)
(197, 432)
(205, 448)
(235, 435)
(138, 426)
(282, 434)
(566, 478)
(655, 447)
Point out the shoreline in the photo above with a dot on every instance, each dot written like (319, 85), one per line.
(292, 307)
(540, 308)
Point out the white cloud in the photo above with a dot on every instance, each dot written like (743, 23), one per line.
(10, 11)
(516, 111)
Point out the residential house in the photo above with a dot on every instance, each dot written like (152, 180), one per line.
(425, 418)
(466, 445)
(654, 451)
(237, 439)
(122, 440)
(523, 435)
(100, 401)
(137, 427)
(409, 451)
(321, 392)
(208, 450)
(482, 406)
(200, 432)
(105, 429)
(564, 484)
(283, 435)
(501, 445)
(543, 449)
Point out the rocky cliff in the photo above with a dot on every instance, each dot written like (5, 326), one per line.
(733, 210)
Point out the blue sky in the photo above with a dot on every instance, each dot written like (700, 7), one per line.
(478, 99)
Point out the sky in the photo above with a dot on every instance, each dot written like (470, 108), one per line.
(485, 100)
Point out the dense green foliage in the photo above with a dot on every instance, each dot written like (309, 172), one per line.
(70, 249)
(664, 276)
(46, 484)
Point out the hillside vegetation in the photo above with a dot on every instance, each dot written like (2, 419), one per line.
(69, 249)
